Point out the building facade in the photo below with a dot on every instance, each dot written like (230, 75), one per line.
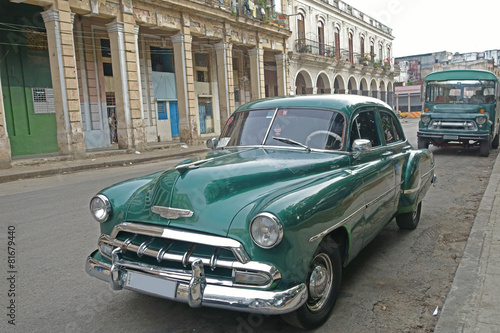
(337, 49)
(78, 75)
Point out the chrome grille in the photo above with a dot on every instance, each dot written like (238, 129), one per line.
(174, 250)
(453, 125)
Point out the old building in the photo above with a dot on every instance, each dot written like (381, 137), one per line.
(157, 71)
(335, 48)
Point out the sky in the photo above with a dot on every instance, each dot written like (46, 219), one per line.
(426, 26)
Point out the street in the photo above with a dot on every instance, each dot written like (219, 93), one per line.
(394, 285)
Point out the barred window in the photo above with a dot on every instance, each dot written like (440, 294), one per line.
(105, 48)
(110, 98)
(43, 100)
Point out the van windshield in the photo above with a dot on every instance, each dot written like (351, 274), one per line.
(464, 91)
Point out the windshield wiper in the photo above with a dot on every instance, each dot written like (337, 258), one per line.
(291, 142)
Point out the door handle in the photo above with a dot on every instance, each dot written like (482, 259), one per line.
(387, 153)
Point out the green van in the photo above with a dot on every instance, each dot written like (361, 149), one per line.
(461, 108)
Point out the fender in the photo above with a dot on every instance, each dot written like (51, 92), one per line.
(418, 177)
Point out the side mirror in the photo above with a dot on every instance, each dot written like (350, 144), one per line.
(212, 143)
(361, 145)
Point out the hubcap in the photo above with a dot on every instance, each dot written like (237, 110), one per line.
(320, 282)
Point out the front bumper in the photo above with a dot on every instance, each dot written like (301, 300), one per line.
(452, 136)
(121, 274)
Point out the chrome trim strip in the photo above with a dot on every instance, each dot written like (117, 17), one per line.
(359, 210)
(269, 127)
(221, 296)
(335, 226)
(192, 237)
(415, 189)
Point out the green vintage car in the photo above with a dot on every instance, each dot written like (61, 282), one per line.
(293, 189)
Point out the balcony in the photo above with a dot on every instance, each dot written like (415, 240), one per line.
(259, 10)
(314, 47)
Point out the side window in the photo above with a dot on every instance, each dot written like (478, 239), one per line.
(391, 131)
(364, 126)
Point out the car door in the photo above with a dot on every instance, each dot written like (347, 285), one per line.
(377, 169)
(393, 154)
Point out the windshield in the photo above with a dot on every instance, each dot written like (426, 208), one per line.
(316, 129)
(465, 91)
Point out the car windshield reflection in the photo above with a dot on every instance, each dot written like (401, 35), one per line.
(310, 129)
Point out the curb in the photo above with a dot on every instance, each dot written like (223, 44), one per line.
(82, 165)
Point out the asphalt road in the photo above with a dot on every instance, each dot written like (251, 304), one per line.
(394, 285)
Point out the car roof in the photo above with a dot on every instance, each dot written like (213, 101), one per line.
(340, 102)
(461, 74)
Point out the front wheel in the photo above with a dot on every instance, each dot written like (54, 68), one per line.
(484, 148)
(323, 286)
(409, 221)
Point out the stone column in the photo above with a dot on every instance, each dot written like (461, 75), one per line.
(184, 77)
(225, 80)
(282, 74)
(139, 81)
(5, 154)
(257, 77)
(59, 26)
(130, 128)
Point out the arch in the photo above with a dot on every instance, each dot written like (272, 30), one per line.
(373, 88)
(323, 84)
(303, 83)
(363, 86)
(352, 86)
(339, 85)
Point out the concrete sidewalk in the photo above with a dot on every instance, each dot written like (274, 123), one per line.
(50, 165)
(473, 303)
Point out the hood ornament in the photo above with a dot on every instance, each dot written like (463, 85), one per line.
(171, 213)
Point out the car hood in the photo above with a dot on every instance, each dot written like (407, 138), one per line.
(223, 182)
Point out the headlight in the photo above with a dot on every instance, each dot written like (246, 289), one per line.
(266, 230)
(425, 118)
(480, 120)
(100, 207)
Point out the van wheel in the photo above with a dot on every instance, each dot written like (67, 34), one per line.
(323, 286)
(495, 142)
(409, 221)
(484, 148)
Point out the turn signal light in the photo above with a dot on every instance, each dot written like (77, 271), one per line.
(482, 110)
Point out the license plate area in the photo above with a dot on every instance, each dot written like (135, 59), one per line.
(151, 284)
(450, 137)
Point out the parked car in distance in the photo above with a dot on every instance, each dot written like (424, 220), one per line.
(292, 191)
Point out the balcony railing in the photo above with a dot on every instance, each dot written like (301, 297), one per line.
(314, 47)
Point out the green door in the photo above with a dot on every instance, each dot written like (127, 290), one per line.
(27, 86)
